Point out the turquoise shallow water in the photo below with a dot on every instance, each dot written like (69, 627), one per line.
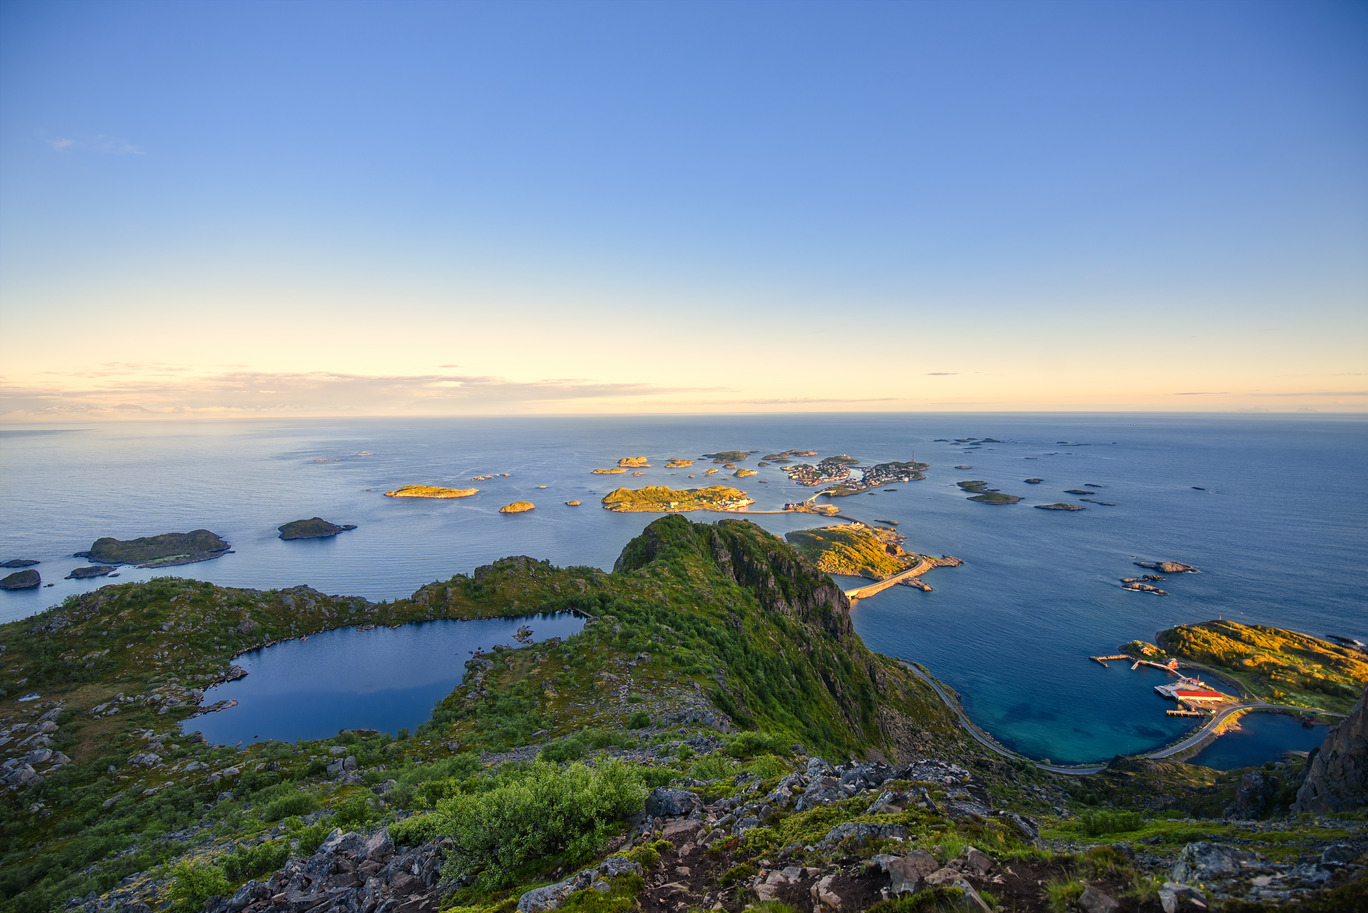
(1277, 527)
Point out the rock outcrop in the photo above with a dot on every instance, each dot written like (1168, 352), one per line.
(21, 580)
(1337, 774)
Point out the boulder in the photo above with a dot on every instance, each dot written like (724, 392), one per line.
(906, 872)
(664, 802)
(1203, 861)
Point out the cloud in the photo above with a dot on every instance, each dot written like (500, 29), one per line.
(941, 373)
(1318, 393)
(153, 389)
(1203, 393)
(99, 142)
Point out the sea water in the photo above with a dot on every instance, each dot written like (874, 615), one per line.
(1270, 508)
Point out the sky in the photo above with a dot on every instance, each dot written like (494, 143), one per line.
(361, 208)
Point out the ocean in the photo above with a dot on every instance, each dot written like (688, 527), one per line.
(1272, 510)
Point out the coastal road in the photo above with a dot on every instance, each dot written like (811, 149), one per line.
(1206, 732)
(864, 592)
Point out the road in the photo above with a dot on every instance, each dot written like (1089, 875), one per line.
(1191, 741)
(865, 592)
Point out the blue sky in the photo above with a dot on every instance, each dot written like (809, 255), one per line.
(327, 208)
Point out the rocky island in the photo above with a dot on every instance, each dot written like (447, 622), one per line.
(431, 491)
(21, 580)
(1167, 567)
(19, 562)
(660, 499)
(728, 456)
(314, 528)
(985, 495)
(1059, 505)
(517, 507)
(637, 462)
(679, 463)
(84, 573)
(166, 550)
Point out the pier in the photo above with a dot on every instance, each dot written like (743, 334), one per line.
(864, 592)
(1103, 659)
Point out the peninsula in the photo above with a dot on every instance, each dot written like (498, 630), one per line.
(166, 550)
(431, 491)
(853, 550)
(1273, 664)
(660, 499)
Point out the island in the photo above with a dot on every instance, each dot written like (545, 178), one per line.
(743, 473)
(1028, 481)
(728, 456)
(608, 472)
(1078, 491)
(314, 528)
(21, 580)
(1275, 665)
(1059, 505)
(83, 573)
(679, 463)
(19, 562)
(166, 550)
(1167, 567)
(637, 462)
(878, 475)
(985, 495)
(431, 491)
(517, 507)
(572, 503)
(660, 499)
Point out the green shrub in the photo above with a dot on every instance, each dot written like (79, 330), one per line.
(354, 813)
(245, 863)
(639, 719)
(1062, 894)
(192, 884)
(750, 744)
(294, 803)
(1105, 821)
(563, 750)
(534, 813)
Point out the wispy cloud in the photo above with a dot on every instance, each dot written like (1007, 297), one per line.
(1318, 393)
(142, 390)
(941, 373)
(1204, 393)
(98, 142)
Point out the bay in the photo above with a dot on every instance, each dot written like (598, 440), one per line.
(1270, 508)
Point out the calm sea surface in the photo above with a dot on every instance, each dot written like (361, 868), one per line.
(1274, 510)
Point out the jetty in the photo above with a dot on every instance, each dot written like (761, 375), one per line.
(864, 592)
(1103, 659)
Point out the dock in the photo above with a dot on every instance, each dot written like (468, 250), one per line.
(1103, 659)
(1185, 713)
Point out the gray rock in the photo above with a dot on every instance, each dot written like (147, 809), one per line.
(906, 872)
(552, 896)
(1202, 862)
(1338, 854)
(664, 802)
(1094, 901)
(861, 833)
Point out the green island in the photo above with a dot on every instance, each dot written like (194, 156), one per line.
(431, 491)
(743, 473)
(661, 499)
(166, 550)
(986, 495)
(517, 507)
(637, 462)
(1058, 505)
(1278, 666)
(728, 456)
(678, 463)
(615, 470)
(854, 550)
(315, 528)
(717, 687)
